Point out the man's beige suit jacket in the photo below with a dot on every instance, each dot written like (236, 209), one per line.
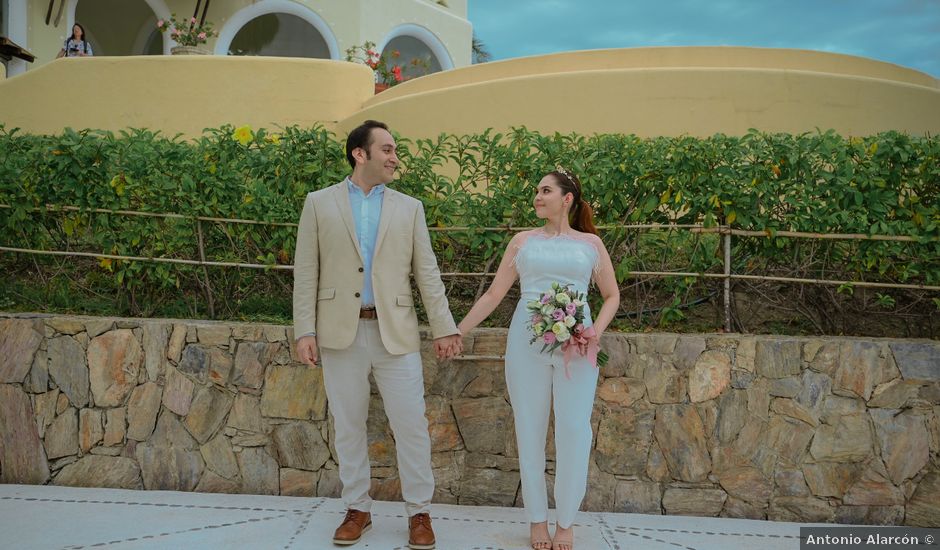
(328, 272)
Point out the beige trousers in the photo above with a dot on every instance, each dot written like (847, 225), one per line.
(401, 382)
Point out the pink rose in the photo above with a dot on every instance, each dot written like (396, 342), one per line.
(549, 337)
(546, 298)
(570, 309)
(192, 20)
(558, 315)
(160, 23)
(536, 318)
(202, 36)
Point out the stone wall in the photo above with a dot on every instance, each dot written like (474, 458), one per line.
(784, 428)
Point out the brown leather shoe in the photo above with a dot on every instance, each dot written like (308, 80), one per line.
(420, 534)
(354, 525)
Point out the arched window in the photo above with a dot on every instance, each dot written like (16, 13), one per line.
(417, 42)
(277, 27)
(120, 27)
(279, 34)
(410, 49)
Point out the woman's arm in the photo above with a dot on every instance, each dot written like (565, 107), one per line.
(606, 282)
(502, 282)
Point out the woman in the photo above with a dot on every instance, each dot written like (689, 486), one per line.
(76, 45)
(565, 250)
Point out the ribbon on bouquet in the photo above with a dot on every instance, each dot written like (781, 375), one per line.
(573, 345)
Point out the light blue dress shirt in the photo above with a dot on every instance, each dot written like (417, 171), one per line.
(366, 211)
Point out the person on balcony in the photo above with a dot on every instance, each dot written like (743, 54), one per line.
(76, 45)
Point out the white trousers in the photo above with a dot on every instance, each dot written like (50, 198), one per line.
(400, 379)
(536, 383)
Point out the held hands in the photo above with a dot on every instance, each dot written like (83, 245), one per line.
(447, 347)
(307, 351)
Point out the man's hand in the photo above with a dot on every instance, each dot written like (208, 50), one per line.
(307, 351)
(448, 346)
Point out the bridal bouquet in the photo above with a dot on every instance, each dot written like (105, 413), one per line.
(558, 321)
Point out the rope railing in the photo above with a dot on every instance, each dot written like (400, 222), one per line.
(694, 227)
(725, 231)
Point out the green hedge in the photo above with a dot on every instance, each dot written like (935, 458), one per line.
(885, 184)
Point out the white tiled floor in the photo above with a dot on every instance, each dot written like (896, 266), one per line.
(48, 517)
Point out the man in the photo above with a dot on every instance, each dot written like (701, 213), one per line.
(357, 244)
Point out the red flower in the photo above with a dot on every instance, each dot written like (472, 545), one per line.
(397, 71)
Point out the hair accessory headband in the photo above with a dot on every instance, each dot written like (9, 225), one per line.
(568, 175)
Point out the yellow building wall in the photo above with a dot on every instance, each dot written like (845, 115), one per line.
(342, 17)
(351, 22)
(183, 94)
(667, 101)
(43, 41)
(450, 28)
(661, 58)
(648, 92)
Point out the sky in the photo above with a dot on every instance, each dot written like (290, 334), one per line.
(904, 32)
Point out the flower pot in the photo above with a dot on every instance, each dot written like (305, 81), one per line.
(188, 50)
(380, 87)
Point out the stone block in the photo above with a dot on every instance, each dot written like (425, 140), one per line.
(484, 423)
(68, 369)
(19, 342)
(207, 413)
(142, 411)
(259, 472)
(101, 471)
(299, 445)
(710, 375)
(114, 361)
(623, 441)
(693, 502)
(680, 433)
(294, 392)
(22, 455)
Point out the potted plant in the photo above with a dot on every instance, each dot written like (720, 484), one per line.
(188, 34)
(388, 70)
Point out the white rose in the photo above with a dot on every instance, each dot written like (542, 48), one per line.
(539, 329)
(562, 298)
(547, 310)
(569, 321)
(563, 337)
(533, 304)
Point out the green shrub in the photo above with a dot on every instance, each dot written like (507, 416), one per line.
(826, 183)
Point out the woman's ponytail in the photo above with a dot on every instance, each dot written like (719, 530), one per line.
(582, 218)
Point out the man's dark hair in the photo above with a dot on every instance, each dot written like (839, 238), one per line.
(361, 136)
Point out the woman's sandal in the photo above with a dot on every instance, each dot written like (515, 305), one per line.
(540, 541)
(565, 541)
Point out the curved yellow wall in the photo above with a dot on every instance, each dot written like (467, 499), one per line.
(183, 94)
(665, 91)
(649, 92)
(659, 58)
